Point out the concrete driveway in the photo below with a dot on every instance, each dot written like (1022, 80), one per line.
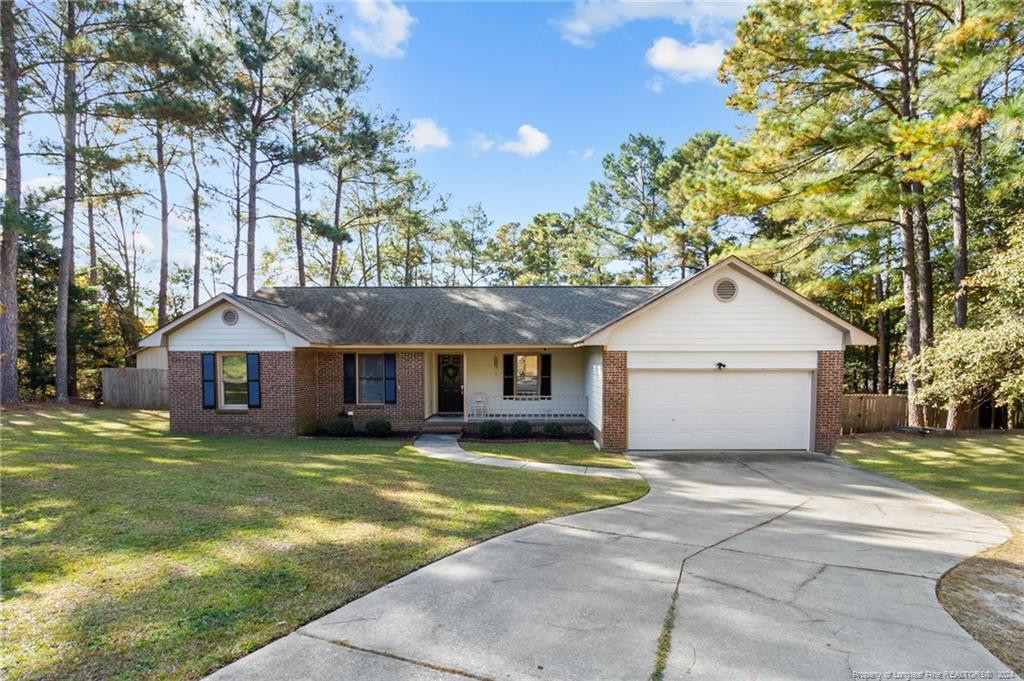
(782, 566)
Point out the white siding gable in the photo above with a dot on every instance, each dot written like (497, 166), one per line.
(151, 358)
(693, 319)
(209, 333)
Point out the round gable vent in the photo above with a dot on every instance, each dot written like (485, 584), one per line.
(229, 316)
(725, 289)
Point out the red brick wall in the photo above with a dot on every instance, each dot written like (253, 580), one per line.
(405, 414)
(299, 392)
(614, 434)
(828, 392)
(306, 419)
(276, 416)
(329, 396)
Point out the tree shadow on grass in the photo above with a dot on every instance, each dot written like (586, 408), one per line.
(145, 554)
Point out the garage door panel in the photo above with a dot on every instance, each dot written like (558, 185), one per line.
(719, 409)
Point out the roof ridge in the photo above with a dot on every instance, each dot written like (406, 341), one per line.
(239, 296)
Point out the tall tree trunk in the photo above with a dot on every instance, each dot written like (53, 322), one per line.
(958, 180)
(882, 331)
(362, 255)
(909, 245)
(250, 236)
(955, 411)
(197, 226)
(90, 221)
(67, 248)
(922, 243)
(377, 256)
(161, 174)
(910, 309)
(238, 223)
(90, 213)
(11, 213)
(297, 188)
(339, 183)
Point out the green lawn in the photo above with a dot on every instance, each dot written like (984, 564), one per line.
(132, 553)
(572, 453)
(980, 471)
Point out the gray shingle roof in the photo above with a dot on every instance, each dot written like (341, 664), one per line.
(534, 315)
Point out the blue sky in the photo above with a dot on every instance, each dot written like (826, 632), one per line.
(512, 104)
(479, 71)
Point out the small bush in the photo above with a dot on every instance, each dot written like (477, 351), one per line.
(520, 429)
(378, 427)
(554, 430)
(341, 427)
(491, 429)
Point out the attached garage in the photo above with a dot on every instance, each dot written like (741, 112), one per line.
(719, 409)
(727, 359)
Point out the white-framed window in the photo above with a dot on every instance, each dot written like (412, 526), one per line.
(370, 378)
(527, 376)
(232, 380)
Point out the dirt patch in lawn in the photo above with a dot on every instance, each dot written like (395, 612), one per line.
(986, 596)
(985, 472)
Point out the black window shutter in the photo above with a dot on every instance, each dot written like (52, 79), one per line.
(349, 378)
(209, 362)
(390, 383)
(509, 384)
(545, 375)
(252, 370)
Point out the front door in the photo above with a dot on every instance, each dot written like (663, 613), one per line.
(449, 384)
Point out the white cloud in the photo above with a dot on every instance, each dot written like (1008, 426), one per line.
(587, 154)
(656, 85)
(43, 183)
(181, 221)
(426, 134)
(590, 19)
(479, 142)
(381, 27)
(530, 142)
(142, 242)
(686, 62)
(183, 258)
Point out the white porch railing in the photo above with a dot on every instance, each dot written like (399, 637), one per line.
(489, 406)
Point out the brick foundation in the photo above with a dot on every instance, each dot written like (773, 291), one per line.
(828, 395)
(614, 433)
(278, 396)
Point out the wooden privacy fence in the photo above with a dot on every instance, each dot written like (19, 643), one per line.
(871, 413)
(137, 388)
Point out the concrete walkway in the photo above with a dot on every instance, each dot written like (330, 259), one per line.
(781, 566)
(438, 446)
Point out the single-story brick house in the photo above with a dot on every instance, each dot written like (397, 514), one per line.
(726, 359)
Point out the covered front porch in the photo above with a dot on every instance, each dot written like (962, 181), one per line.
(507, 384)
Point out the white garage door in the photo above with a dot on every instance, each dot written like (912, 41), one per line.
(680, 409)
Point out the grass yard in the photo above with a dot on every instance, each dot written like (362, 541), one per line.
(129, 552)
(572, 453)
(984, 472)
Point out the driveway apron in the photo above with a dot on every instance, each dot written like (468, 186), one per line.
(787, 565)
